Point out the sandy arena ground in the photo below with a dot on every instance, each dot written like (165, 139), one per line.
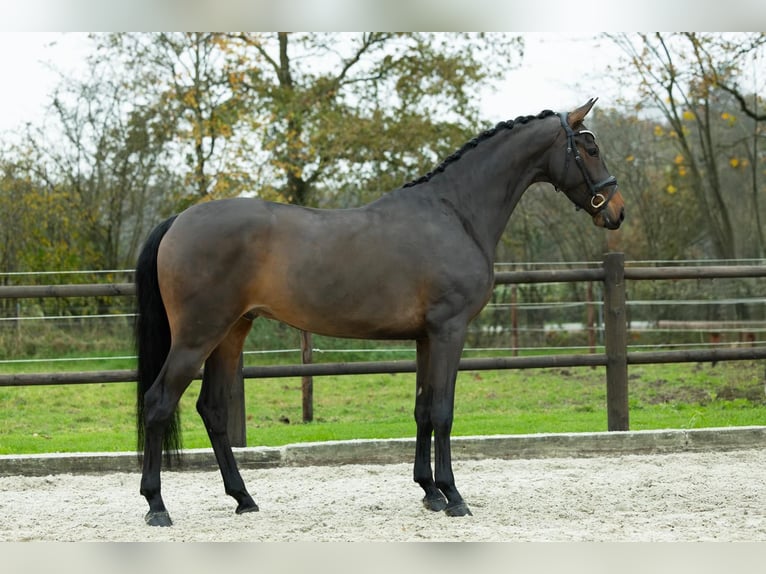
(670, 497)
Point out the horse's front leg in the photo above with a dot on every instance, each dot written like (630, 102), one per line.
(440, 356)
(423, 473)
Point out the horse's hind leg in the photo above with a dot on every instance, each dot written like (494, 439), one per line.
(160, 403)
(220, 372)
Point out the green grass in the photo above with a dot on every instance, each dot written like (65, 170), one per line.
(99, 417)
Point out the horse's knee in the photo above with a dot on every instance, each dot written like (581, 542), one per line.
(441, 420)
(422, 414)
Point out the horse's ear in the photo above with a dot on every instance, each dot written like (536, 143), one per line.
(578, 115)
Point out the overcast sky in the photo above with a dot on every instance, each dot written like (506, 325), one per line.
(558, 71)
(27, 76)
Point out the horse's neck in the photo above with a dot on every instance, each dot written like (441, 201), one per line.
(486, 184)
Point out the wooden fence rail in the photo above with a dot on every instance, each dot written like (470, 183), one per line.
(616, 357)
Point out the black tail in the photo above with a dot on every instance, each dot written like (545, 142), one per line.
(152, 337)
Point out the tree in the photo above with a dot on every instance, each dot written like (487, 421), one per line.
(182, 83)
(163, 121)
(675, 78)
(645, 161)
(724, 61)
(315, 119)
(38, 227)
(102, 160)
(743, 53)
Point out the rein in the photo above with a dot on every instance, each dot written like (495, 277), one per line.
(598, 200)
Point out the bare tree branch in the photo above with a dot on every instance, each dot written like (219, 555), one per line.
(742, 103)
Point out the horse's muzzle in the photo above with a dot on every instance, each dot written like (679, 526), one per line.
(613, 213)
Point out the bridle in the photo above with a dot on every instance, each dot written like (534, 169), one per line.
(598, 200)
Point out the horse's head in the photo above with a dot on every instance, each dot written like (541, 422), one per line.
(577, 168)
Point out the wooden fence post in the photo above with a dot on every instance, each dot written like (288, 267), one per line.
(616, 335)
(237, 428)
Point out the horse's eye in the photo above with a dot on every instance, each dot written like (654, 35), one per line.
(593, 151)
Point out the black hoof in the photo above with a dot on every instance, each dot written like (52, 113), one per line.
(247, 507)
(459, 509)
(158, 518)
(435, 502)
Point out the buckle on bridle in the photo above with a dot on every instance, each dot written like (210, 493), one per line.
(597, 201)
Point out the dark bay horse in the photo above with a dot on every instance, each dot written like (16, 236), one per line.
(415, 264)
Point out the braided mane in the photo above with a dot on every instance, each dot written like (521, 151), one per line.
(501, 126)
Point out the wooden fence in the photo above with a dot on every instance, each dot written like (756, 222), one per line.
(616, 358)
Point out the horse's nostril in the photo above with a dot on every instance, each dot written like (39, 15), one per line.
(622, 214)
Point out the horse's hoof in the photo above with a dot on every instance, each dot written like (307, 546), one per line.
(247, 507)
(161, 518)
(435, 502)
(459, 509)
